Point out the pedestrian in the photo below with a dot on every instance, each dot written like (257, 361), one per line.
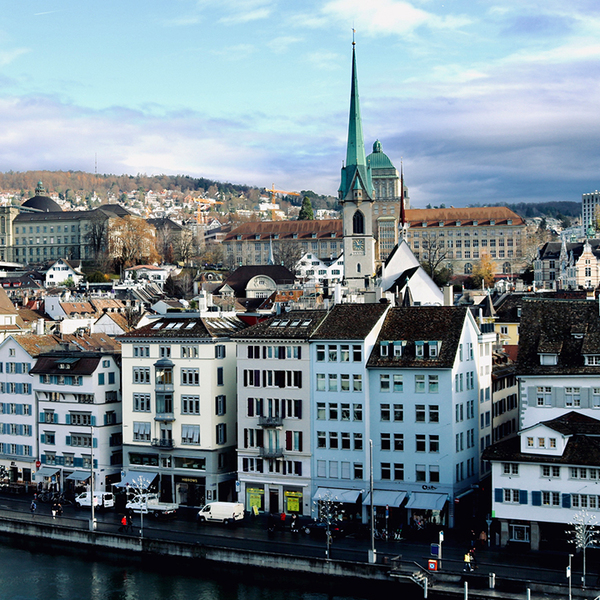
(282, 520)
(483, 539)
(123, 527)
(60, 509)
(54, 509)
(33, 508)
(129, 523)
(467, 561)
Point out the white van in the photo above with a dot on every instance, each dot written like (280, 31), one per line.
(225, 512)
(101, 500)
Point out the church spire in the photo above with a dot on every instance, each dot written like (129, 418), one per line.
(356, 174)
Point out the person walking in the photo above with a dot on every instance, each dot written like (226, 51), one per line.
(123, 527)
(467, 562)
(33, 508)
(129, 527)
(54, 509)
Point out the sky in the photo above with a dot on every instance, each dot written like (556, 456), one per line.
(483, 102)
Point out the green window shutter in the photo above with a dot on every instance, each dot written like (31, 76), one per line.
(536, 498)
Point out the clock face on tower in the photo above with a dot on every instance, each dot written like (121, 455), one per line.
(358, 245)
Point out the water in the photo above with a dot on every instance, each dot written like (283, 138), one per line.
(26, 575)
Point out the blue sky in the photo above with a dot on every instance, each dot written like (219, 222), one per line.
(484, 102)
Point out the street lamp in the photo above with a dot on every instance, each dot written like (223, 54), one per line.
(569, 574)
(372, 554)
(92, 484)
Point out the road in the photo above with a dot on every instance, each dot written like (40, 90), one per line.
(252, 534)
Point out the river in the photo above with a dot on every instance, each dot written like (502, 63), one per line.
(26, 575)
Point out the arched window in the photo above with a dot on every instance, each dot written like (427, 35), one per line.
(506, 268)
(358, 222)
(468, 269)
(358, 268)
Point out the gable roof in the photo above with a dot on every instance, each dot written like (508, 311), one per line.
(419, 324)
(296, 324)
(322, 228)
(350, 321)
(483, 215)
(238, 280)
(567, 328)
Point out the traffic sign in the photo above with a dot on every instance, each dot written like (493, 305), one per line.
(432, 565)
(38, 464)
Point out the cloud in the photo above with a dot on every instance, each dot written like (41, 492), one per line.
(327, 61)
(283, 42)
(8, 56)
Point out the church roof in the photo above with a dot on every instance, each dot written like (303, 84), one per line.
(42, 202)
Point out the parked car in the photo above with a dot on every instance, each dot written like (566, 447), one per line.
(224, 512)
(150, 504)
(319, 528)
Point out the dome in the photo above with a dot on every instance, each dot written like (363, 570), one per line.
(378, 159)
(41, 202)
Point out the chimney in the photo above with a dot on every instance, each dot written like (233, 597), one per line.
(448, 291)
(39, 328)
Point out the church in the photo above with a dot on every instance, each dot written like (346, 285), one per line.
(373, 210)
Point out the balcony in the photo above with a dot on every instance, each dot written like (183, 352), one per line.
(164, 417)
(160, 443)
(270, 452)
(270, 421)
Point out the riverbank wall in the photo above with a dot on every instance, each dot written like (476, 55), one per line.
(192, 558)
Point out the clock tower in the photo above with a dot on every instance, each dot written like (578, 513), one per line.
(356, 196)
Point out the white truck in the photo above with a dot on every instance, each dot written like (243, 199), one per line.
(150, 504)
(224, 512)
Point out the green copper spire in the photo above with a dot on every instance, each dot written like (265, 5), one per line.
(356, 174)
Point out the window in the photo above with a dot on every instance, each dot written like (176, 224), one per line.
(344, 353)
(357, 383)
(164, 351)
(433, 384)
(332, 353)
(221, 376)
(141, 432)
(332, 382)
(398, 471)
(320, 353)
(544, 396)
(420, 413)
(398, 412)
(220, 351)
(510, 468)
(220, 405)
(420, 442)
(420, 473)
(190, 434)
(358, 471)
(386, 441)
(386, 471)
(358, 441)
(321, 411)
(384, 383)
(385, 412)
(419, 384)
(190, 405)
(511, 496)
(550, 471)
(572, 397)
(399, 442)
(345, 412)
(192, 351)
(321, 439)
(320, 382)
(357, 411)
(345, 382)
(434, 474)
(141, 374)
(345, 440)
(357, 353)
(398, 387)
(434, 413)
(333, 440)
(333, 411)
(190, 377)
(221, 434)
(434, 443)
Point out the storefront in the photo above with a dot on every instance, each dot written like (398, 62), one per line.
(191, 490)
(387, 510)
(427, 508)
(46, 478)
(255, 499)
(293, 501)
(344, 501)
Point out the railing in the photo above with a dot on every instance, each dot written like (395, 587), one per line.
(271, 452)
(270, 421)
(160, 443)
(167, 416)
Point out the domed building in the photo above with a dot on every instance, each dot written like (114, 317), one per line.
(386, 205)
(39, 231)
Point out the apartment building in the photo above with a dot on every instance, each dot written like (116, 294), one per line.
(179, 406)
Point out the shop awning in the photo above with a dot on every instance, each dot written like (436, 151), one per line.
(427, 501)
(137, 479)
(336, 495)
(385, 498)
(40, 474)
(79, 476)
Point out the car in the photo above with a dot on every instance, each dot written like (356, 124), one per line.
(319, 528)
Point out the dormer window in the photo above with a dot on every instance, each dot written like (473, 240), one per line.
(492, 223)
(458, 223)
(383, 348)
(475, 223)
(441, 223)
(398, 349)
(295, 236)
(433, 349)
(276, 236)
(313, 235)
(592, 360)
(238, 237)
(509, 222)
(548, 359)
(419, 349)
(424, 224)
(257, 236)
(333, 235)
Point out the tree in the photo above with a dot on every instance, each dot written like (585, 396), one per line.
(329, 510)
(97, 277)
(185, 246)
(96, 236)
(172, 288)
(131, 242)
(287, 254)
(483, 271)
(585, 533)
(306, 210)
(434, 254)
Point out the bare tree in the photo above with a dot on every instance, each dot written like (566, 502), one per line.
(585, 533)
(434, 253)
(185, 246)
(97, 234)
(287, 254)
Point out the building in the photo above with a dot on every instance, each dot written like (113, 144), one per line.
(553, 464)
(274, 413)
(62, 271)
(568, 265)
(318, 272)
(459, 237)
(179, 407)
(430, 413)
(589, 204)
(269, 242)
(78, 397)
(40, 231)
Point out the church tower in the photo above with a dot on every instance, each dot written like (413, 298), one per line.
(356, 195)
